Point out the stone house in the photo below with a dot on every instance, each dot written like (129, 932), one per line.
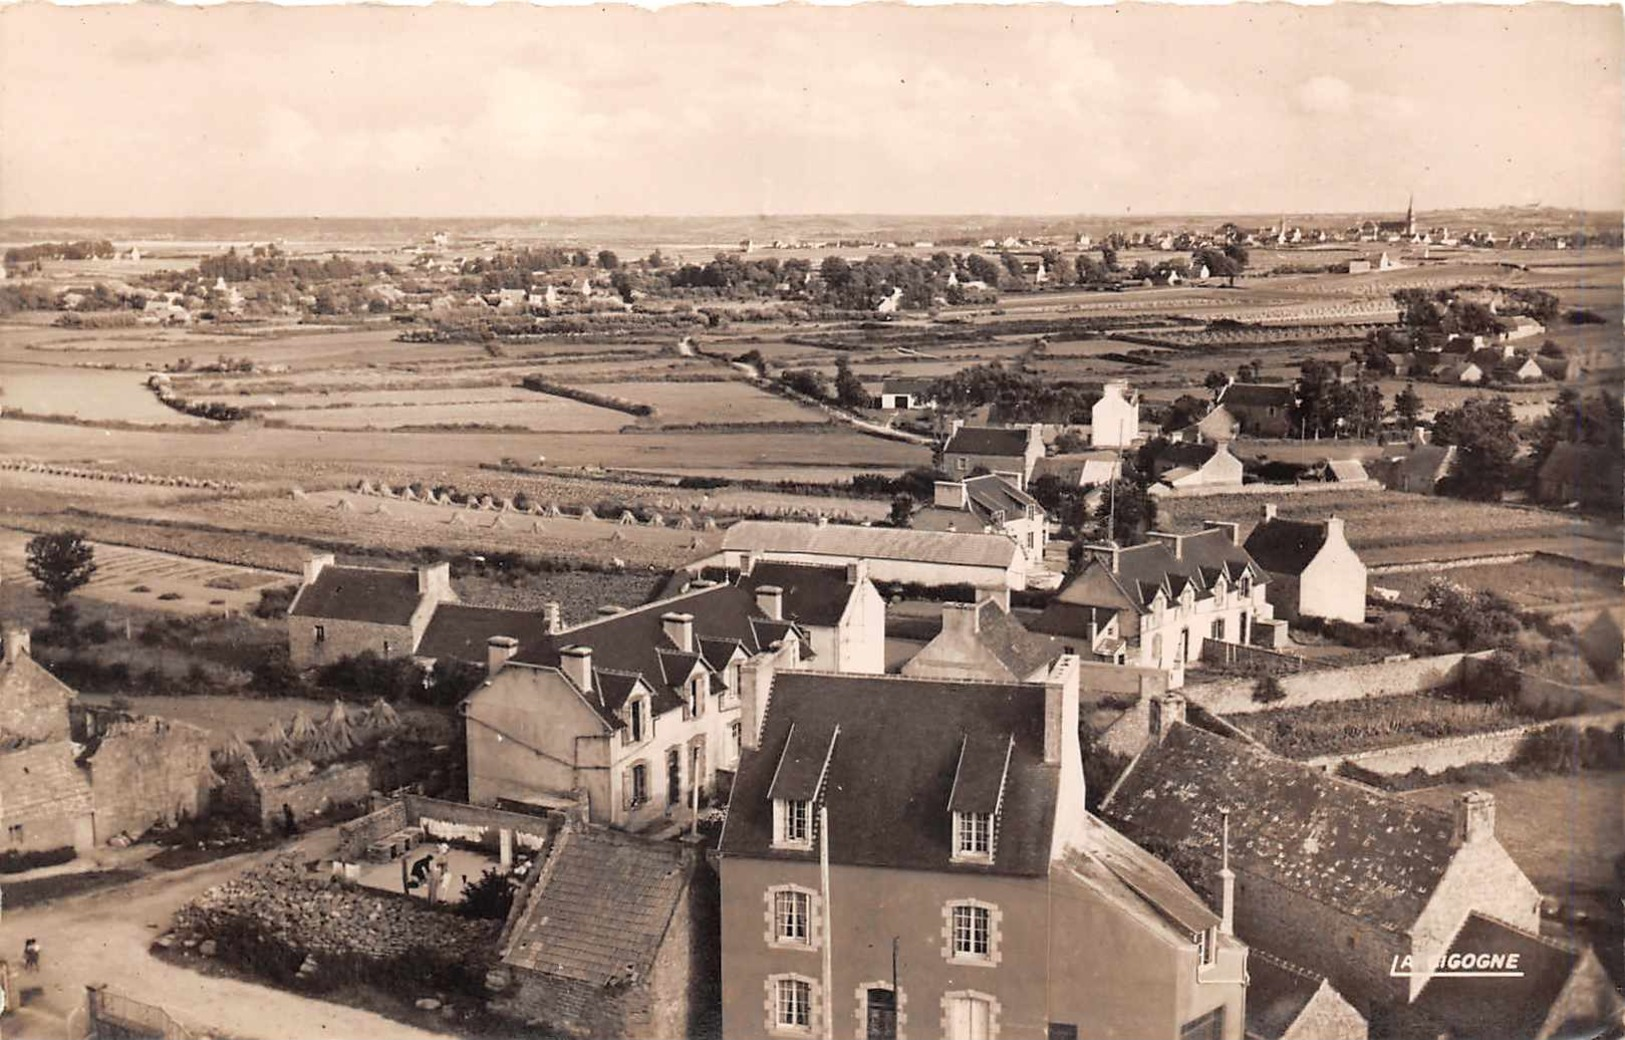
(969, 894)
(904, 394)
(1286, 1002)
(459, 632)
(1218, 426)
(1081, 469)
(984, 641)
(1152, 605)
(343, 611)
(612, 939)
(1261, 409)
(1313, 570)
(1012, 450)
(1331, 875)
(1114, 420)
(630, 717)
(1419, 470)
(988, 505)
(1192, 465)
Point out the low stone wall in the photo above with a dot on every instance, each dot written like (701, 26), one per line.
(1383, 679)
(1475, 749)
(1457, 563)
(251, 790)
(356, 835)
(149, 771)
(1307, 488)
(1255, 658)
(477, 824)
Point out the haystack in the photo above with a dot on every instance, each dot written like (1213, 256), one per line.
(685, 523)
(486, 502)
(554, 510)
(505, 505)
(710, 524)
(499, 521)
(457, 520)
(408, 494)
(656, 520)
(365, 487)
(380, 715)
(303, 728)
(386, 491)
(627, 517)
(341, 732)
(344, 505)
(298, 495)
(471, 502)
(587, 514)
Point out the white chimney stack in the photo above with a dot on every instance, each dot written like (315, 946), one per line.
(576, 664)
(1227, 879)
(961, 619)
(1475, 817)
(679, 629)
(17, 645)
(316, 564)
(1164, 711)
(770, 601)
(755, 689)
(553, 616)
(498, 649)
(1269, 511)
(435, 580)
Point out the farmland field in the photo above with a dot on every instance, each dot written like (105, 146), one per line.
(1536, 583)
(541, 412)
(85, 393)
(707, 403)
(1372, 723)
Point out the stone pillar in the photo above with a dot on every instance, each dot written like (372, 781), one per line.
(505, 838)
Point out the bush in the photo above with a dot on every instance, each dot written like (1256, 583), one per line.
(1584, 316)
(274, 602)
(14, 862)
(489, 897)
(1268, 690)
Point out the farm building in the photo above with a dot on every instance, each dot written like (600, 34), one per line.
(1081, 469)
(1418, 471)
(902, 394)
(1392, 879)
(1313, 571)
(1518, 327)
(991, 505)
(1180, 466)
(1114, 420)
(458, 632)
(997, 449)
(989, 562)
(1358, 267)
(343, 611)
(1218, 426)
(984, 641)
(1260, 409)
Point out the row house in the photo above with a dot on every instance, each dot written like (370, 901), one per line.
(912, 858)
(1153, 605)
(633, 716)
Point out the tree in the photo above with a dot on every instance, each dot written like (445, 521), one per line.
(1069, 442)
(1239, 258)
(1215, 381)
(1128, 510)
(982, 269)
(902, 510)
(608, 260)
(1185, 410)
(1485, 434)
(1108, 256)
(836, 272)
(60, 563)
(849, 389)
(1268, 690)
(1408, 405)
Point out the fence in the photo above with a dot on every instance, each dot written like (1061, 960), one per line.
(116, 1017)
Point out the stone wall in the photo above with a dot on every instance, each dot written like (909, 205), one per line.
(344, 638)
(477, 824)
(357, 834)
(149, 771)
(33, 702)
(1383, 679)
(259, 794)
(1271, 490)
(1477, 748)
(45, 799)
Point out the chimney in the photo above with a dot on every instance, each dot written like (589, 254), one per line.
(1174, 542)
(316, 564)
(17, 644)
(1231, 528)
(1475, 817)
(1334, 529)
(435, 580)
(1107, 553)
(1164, 712)
(576, 664)
(1061, 716)
(679, 629)
(747, 563)
(1227, 878)
(770, 601)
(1268, 512)
(755, 690)
(857, 572)
(950, 494)
(961, 620)
(497, 651)
(553, 616)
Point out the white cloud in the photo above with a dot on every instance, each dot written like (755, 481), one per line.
(1175, 97)
(1326, 94)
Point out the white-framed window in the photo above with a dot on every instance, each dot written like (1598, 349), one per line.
(732, 692)
(1207, 946)
(792, 823)
(698, 687)
(792, 1005)
(736, 736)
(959, 462)
(792, 917)
(973, 836)
(636, 719)
(970, 932)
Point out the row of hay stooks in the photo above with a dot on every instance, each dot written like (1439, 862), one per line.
(116, 476)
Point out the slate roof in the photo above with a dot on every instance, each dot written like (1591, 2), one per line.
(1285, 546)
(1106, 859)
(872, 543)
(461, 633)
(1499, 1008)
(915, 386)
(1347, 470)
(1353, 849)
(1277, 993)
(812, 595)
(989, 440)
(1426, 464)
(1187, 453)
(1016, 648)
(602, 904)
(634, 643)
(360, 594)
(1257, 395)
(1143, 570)
(892, 772)
(1588, 472)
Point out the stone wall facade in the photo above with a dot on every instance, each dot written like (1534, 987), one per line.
(260, 794)
(1384, 679)
(340, 638)
(1475, 748)
(45, 800)
(149, 771)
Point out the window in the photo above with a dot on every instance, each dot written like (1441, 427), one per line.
(792, 1003)
(792, 917)
(1208, 1027)
(1063, 1031)
(968, 1016)
(733, 682)
(1207, 945)
(634, 710)
(674, 776)
(880, 1013)
(321, 633)
(736, 735)
(15, 832)
(959, 462)
(696, 696)
(386, 648)
(1217, 630)
(640, 784)
(972, 931)
(794, 822)
(973, 835)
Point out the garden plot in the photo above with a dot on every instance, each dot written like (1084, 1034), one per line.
(1536, 583)
(159, 581)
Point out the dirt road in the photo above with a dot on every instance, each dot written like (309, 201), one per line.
(103, 938)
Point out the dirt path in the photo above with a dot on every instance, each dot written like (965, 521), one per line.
(104, 937)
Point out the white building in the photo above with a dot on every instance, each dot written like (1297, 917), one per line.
(1114, 421)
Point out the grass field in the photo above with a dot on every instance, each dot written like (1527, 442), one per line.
(540, 413)
(199, 585)
(1536, 583)
(85, 393)
(1371, 723)
(705, 403)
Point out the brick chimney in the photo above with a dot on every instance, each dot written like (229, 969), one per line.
(755, 690)
(961, 620)
(679, 628)
(497, 651)
(1174, 542)
(770, 601)
(434, 580)
(950, 494)
(1475, 817)
(576, 664)
(316, 564)
(553, 616)
(1061, 716)
(1164, 711)
(17, 645)
(1229, 527)
(1268, 512)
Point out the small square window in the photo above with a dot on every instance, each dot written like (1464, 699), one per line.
(321, 633)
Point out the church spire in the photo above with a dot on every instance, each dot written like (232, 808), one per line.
(1410, 215)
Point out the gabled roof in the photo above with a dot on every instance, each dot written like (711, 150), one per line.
(602, 906)
(1286, 546)
(1426, 463)
(989, 440)
(992, 492)
(1143, 570)
(873, 543)
(461, 633)
(1348, 847)
(1277, 993)
(1501, 1008)
(1347, 470)
(368, 594)
(916, 386)
(889, 780)
(1257, 395)
(1006, 638)
(813, 595)
(634, 643)
(1106, 860)
(1187, 453)
(1591, 470)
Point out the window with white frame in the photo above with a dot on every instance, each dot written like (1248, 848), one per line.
(736, 735)
(1207, 945)
(792, 912)
(698, 686)
(971, 932)
(973, 835)
(792, 1003)
(792, 823)
(636, 719)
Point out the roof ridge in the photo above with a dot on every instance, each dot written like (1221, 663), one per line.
(640, 608)
(1286, 965)
(1561, 945)
(892, 677)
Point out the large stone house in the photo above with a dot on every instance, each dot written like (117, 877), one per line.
(1313, 570)
(1011, 450)
(968, 893)
(1260, 409)
(984, 641)
(630, 716)
(1152, 605)
(988, 505)
(1114, 420)
(1329, 874)
(611, 941)
(343, 611)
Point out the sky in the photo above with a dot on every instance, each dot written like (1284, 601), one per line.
(151, 110)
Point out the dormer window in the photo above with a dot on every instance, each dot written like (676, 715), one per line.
(698, 687)
(973, 835)
(636, 720)
(792, 823)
